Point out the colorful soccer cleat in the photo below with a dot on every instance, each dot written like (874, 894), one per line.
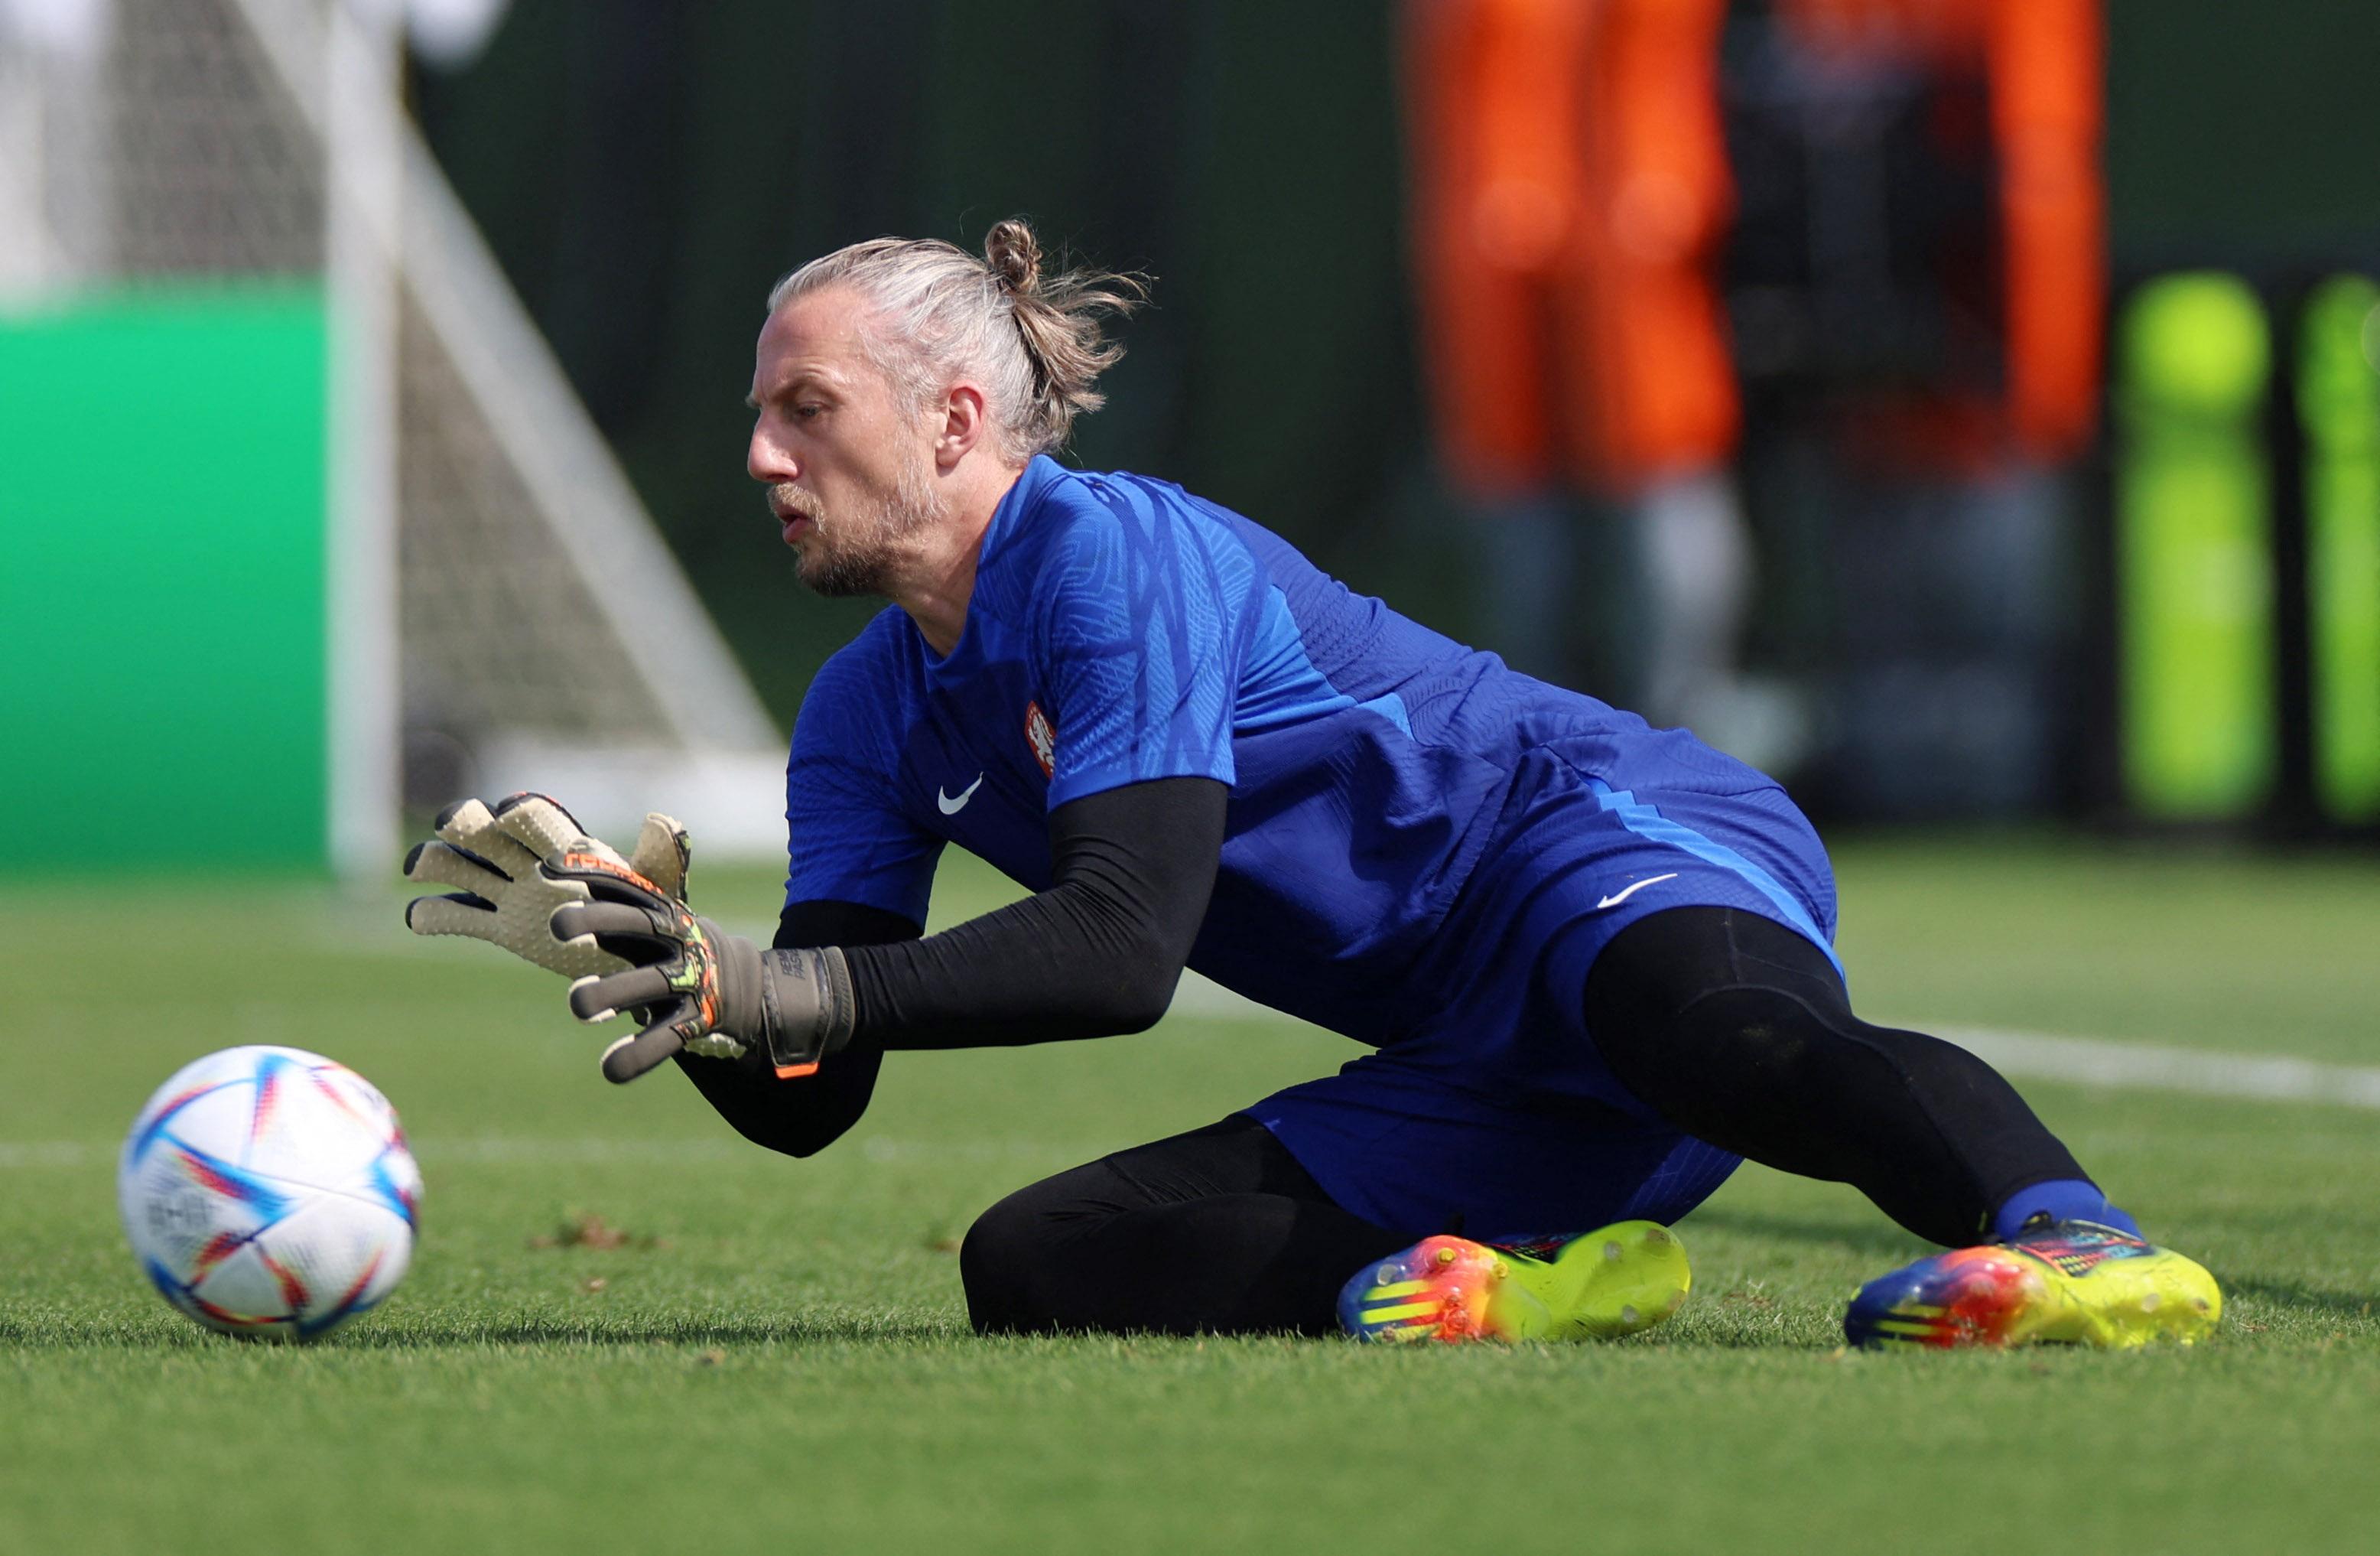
(1628, 1276)
(2073, 1283)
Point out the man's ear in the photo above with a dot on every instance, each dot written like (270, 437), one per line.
(965, 424)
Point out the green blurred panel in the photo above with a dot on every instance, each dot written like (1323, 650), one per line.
(2338, 399)
(2194, 571)
(162, 500)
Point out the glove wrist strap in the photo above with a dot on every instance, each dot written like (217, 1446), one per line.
(803, 1036)
(838, 1007)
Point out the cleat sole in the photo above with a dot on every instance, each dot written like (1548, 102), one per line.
(1622, 1293)
(1615, 1281)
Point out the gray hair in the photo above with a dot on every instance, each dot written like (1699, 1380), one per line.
(1034, 343)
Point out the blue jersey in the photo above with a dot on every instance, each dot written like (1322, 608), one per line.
(1122, 630)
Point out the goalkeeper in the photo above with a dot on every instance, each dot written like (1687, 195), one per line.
(1591, 960)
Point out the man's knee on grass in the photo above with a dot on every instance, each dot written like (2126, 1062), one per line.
(1006, 1263)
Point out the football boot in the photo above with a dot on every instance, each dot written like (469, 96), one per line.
(1628, 1276)
(2072, 1282)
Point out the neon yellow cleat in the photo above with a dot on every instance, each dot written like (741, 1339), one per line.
(2074, 1283)
(1628, 1276)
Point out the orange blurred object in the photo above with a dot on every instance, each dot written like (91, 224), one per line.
(1571, 194)
(2047, 61)
(1571, 186)
(2043, 62)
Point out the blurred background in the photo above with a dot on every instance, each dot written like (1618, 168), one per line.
(1965, 409)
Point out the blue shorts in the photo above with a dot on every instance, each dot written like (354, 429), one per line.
(1497, 1115)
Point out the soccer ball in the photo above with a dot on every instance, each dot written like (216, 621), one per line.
(268, 1192)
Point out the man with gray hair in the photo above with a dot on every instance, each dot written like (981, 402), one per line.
(1592, 959)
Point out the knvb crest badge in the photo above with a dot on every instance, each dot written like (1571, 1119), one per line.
(1041, 737)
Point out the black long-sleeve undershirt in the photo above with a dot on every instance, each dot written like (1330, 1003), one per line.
(1096, 954)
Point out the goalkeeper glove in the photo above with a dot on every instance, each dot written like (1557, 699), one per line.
(511, 866)
(698, 988)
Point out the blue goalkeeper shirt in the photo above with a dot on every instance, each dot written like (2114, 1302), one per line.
(1122, 630)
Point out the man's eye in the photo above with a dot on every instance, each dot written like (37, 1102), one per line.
(809, 412)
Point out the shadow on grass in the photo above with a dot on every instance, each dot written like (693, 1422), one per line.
(1725, 1333)
(2304, 1298)
(1879, 1239)
(657, 1332)
(533, 1331)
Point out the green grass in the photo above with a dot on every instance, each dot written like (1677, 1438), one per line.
(778, 1356)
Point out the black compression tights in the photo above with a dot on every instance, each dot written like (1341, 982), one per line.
(1218, 1231)
(1734, 1029)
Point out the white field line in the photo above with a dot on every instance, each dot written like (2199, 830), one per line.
(2035, 1056)
(2146, 1067)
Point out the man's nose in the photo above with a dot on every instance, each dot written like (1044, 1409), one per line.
(766, 461)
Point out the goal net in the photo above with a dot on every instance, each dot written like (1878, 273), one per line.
(501, 612)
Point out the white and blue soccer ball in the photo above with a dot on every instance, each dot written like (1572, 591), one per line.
(269, 1192)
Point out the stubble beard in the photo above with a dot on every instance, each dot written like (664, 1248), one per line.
(851, 553)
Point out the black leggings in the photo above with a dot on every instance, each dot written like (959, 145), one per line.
(1216, 1231)
(1734, 1029)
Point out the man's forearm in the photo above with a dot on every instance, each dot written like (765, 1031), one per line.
(1097, 953)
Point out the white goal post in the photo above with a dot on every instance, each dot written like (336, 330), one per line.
(501, 612)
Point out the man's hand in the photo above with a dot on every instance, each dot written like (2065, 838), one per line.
(698, 988)
(520, 862)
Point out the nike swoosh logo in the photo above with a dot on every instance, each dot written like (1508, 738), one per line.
(1633, 887)
(953, 806)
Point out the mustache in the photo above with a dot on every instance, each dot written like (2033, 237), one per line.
(785, 497)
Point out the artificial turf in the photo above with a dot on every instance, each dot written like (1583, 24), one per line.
(626, 1330)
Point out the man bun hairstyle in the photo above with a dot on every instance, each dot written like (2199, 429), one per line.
(1014, 254)
(1035, 343)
